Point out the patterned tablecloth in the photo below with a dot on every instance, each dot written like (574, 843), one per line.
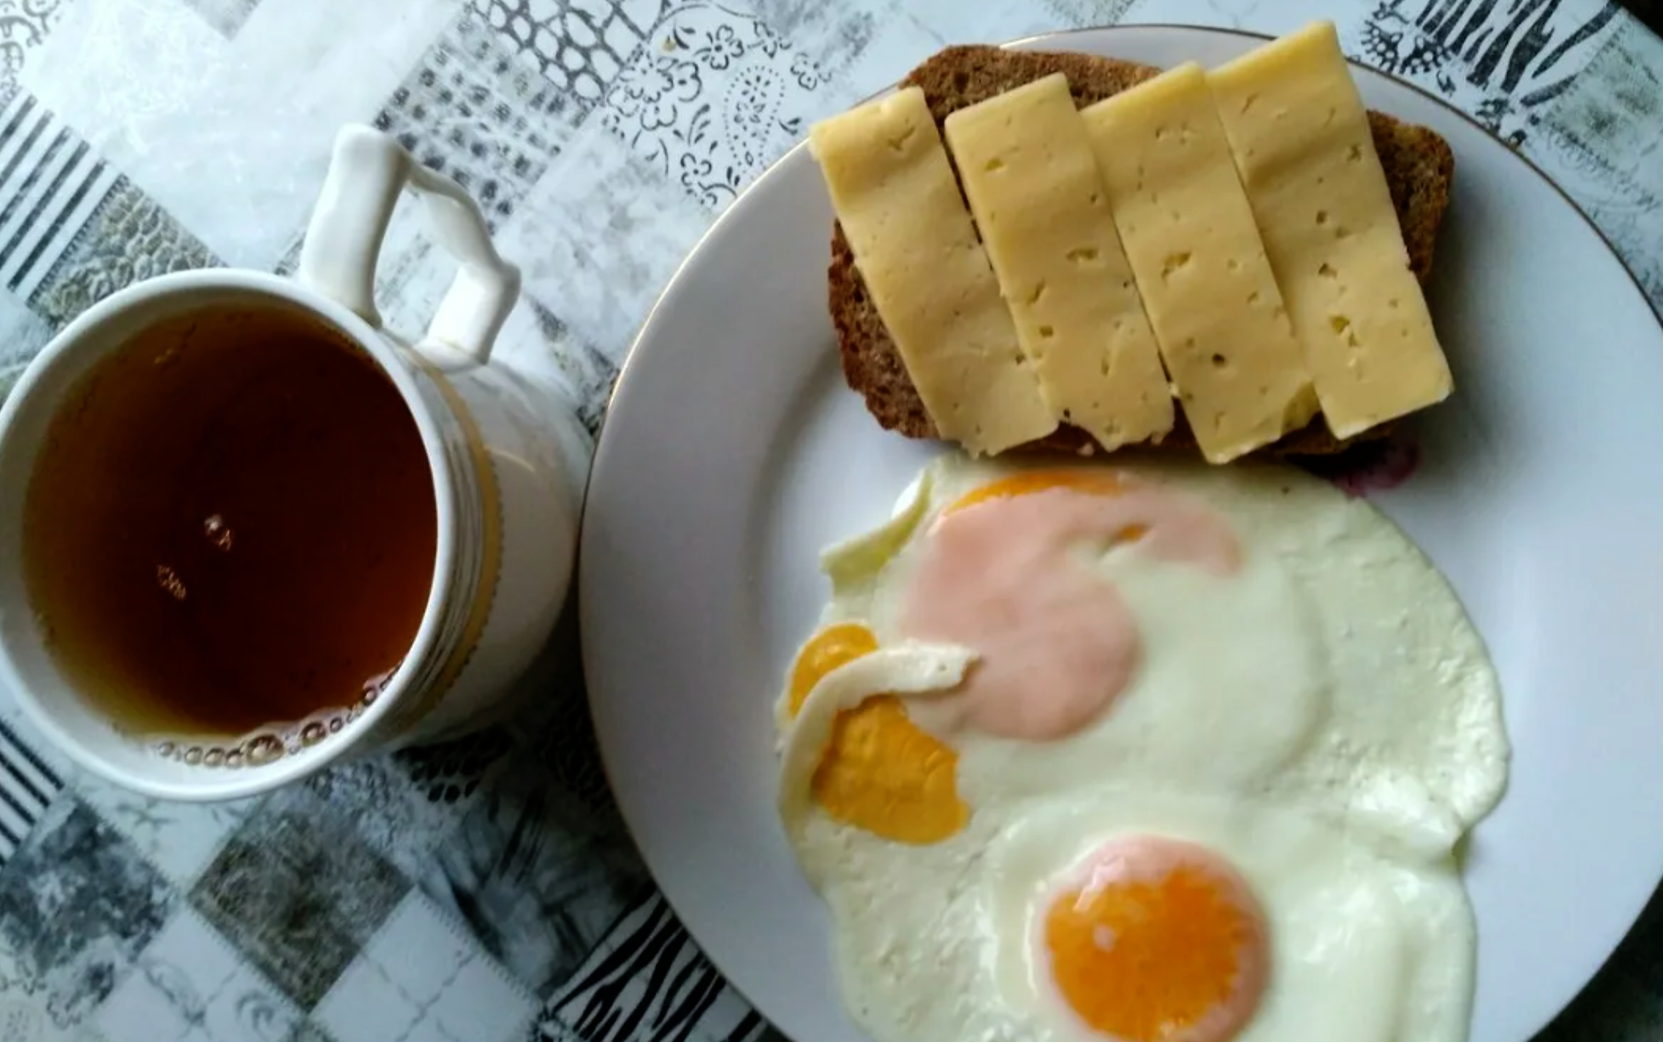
(486, 889)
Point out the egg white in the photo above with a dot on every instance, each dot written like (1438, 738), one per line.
(1335, 668)
(905, 669)
(1326, 718)
(1368, 940)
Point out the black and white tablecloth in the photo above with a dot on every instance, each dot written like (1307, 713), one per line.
(486, 889)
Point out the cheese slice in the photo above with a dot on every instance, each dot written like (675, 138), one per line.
(1304, 150)
(1036, 195)
(896, 198)
(1199, 263)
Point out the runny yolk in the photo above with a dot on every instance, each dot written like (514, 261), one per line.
(880, 772)
(1159, 939)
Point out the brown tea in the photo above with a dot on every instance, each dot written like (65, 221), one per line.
(231, 525)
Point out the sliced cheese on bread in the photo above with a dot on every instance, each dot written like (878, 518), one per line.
(896, 197)
(1199, 263)
(1304, 151)
(1030, 176)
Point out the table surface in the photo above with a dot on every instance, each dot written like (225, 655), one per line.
(486, 889)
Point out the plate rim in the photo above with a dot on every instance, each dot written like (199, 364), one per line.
(730, 214)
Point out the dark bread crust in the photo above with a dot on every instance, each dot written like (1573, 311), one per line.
(1417, 163)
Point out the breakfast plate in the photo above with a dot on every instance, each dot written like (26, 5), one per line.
(733, 453)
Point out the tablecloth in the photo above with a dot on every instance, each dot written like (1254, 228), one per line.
(486, 888)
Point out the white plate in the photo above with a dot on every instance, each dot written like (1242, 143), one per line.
(733, 452)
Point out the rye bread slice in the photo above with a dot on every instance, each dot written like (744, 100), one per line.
(1417, 163)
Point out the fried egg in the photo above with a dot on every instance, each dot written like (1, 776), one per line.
(1305, 650)
(1120, 914)
(1240, 920)
(1246, 690)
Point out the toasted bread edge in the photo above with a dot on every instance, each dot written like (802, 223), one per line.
(1418, 165)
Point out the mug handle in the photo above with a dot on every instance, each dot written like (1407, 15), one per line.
(368, 171)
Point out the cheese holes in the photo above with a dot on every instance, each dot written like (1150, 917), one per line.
(1175, 263)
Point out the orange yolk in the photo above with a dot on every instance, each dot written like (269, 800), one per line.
(1159, 940)
(834, 647)
(880, 772)
(1082, 481)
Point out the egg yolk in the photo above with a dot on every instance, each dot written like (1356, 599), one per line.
(834, 647)
(880, 772)
(1159, 940)
(1036, 482)
(1095, 482)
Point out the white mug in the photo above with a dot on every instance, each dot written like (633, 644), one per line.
(506, 452)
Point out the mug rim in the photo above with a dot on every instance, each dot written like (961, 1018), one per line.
(72, 342)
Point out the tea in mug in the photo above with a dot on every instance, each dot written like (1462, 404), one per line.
(230, 529)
